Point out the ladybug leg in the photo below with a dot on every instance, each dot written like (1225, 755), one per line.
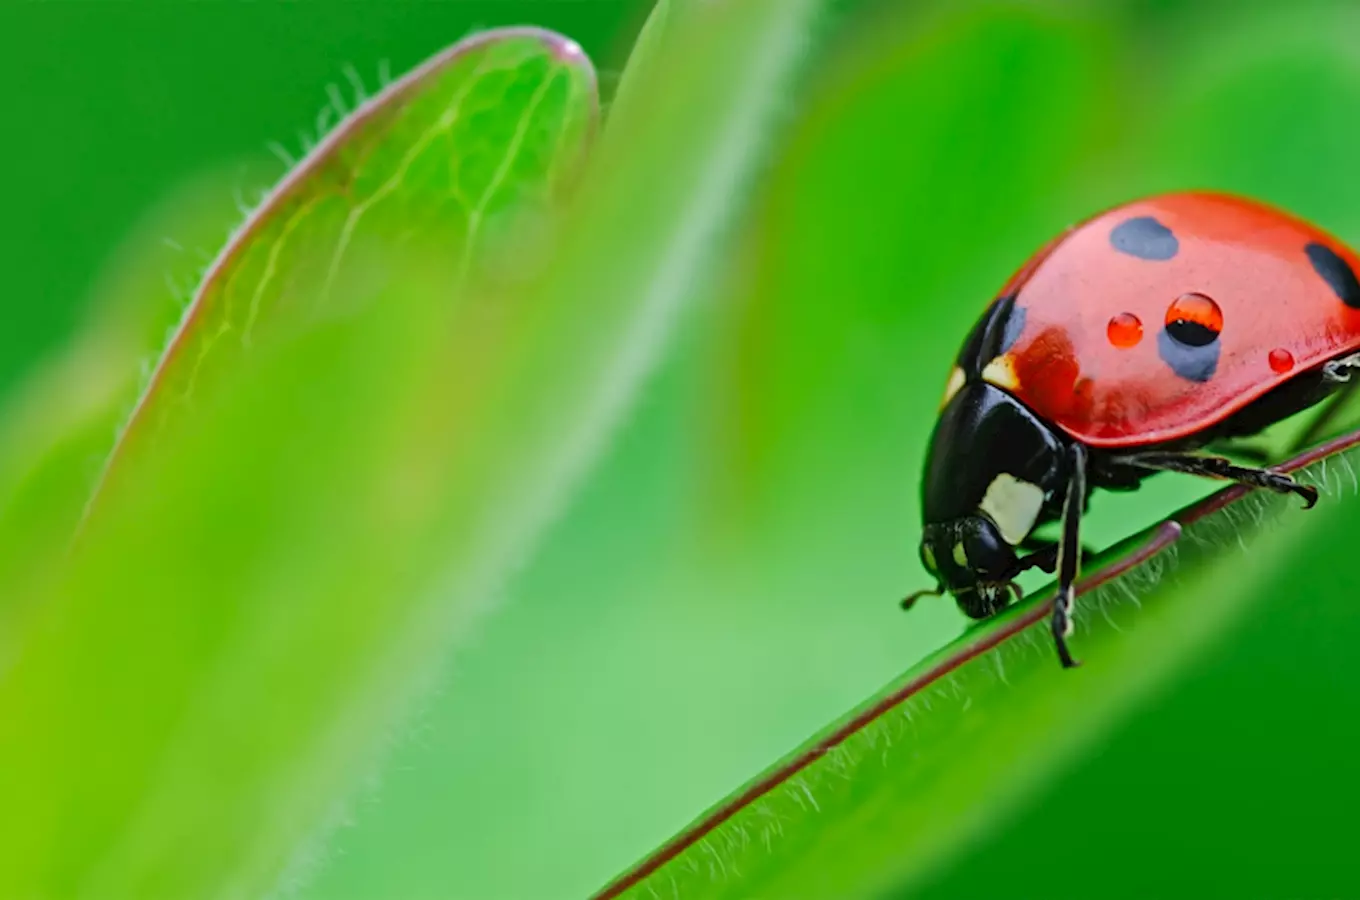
(1044, 557)
(1340, 370)
(1069, 554)
(1221, 468)
(1247, 452)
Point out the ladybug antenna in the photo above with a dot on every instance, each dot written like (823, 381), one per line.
(910, 600)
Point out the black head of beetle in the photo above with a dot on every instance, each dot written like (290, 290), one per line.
(994, 472)
(972, 561)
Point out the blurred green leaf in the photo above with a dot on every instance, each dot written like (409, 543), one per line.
(213, 662)
(658, 598)
(288, 492)
(262, 589)
(901, 203)
(663, 192)
(643, 58)
(685, 594)
(446, 158)
(875, 810)
(58, 424)
(1259, 103)
(1192, 116)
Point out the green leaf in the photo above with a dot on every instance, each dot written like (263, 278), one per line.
(878, 803)
(222, 634)
(643, 58)
(925, 800)
(190, 693)
(638, 616)
(658, 204)
(57, 426)
(263, 589)
(445, 158)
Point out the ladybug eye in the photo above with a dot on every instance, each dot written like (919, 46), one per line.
(1194, 320)
(928, 559)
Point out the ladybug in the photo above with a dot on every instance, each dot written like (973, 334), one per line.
(1138, 341)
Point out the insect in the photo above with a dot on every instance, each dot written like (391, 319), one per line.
(1130, 344)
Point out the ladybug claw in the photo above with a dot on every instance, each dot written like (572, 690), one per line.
(1062, 627)
(1339, 371)
(1065, 655)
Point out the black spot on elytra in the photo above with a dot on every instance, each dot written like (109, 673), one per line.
(1145, 238)
(1192, 334)
(1188, 359)
(1339, 276)
(994, 334)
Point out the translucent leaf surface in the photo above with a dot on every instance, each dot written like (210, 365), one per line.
(440, 159)
(879, 802)
(262, 583)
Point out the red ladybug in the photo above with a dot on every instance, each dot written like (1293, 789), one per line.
(1121, 348)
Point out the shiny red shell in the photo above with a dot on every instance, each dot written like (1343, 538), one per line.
(1160, 318)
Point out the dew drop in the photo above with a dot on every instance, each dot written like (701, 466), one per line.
(1281, 360)
(1124, 330)
(1193, 320)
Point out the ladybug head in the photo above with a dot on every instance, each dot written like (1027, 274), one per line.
(972, 562)
(993, 474)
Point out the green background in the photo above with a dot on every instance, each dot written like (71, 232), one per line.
(724, 584)
(121, 104)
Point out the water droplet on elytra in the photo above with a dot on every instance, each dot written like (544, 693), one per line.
(1197, 309)
(1124, 330)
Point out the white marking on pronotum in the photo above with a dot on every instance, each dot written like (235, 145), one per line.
(1001, 372)
(956, 379)
(1013, 505)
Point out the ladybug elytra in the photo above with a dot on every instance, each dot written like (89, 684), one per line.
(1126, 346)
